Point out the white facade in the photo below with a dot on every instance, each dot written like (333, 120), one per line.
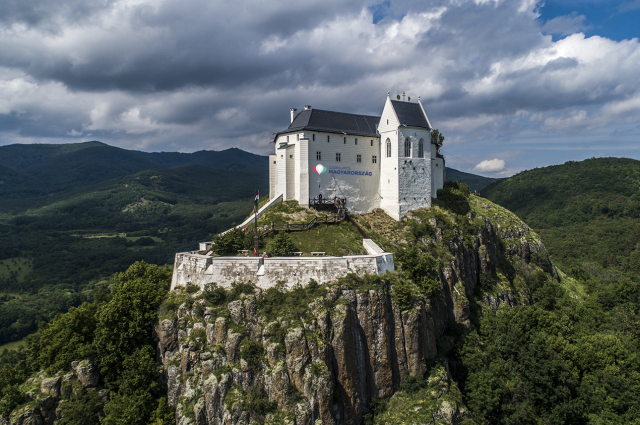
(355, 161)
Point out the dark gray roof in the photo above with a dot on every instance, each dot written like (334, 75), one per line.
(335, 122)
(410, 114)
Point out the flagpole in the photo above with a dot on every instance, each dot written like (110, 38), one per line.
(256, 239)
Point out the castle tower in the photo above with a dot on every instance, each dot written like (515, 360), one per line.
(406, 174)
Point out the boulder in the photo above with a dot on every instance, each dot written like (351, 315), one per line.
(51, 386)
(87, 372)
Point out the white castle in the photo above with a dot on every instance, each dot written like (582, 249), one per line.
(387, 162)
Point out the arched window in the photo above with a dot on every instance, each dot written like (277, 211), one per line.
(388, 148)
(407, 148)
(421, 149)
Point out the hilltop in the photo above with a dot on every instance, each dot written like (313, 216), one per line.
(38, 170)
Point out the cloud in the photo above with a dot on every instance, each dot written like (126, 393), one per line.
(490, 165)
(566, 24)
(194, 74)
(629, 6)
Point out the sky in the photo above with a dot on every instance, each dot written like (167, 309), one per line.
(512, 85)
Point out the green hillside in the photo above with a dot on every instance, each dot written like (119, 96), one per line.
(32, 173)
(74, 240)
(584, 210)
(475, 182)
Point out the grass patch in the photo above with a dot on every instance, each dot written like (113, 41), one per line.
(15, 345)
(333, 239)
(17, 267)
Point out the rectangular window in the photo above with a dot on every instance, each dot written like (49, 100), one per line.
(374, 159)
(287, 139)
(372, 143)
(298, 137)
(328, 139)
(318, 156)
(338, 157)
(345, 140)
(313, 137)
(291, 156)
(358, 158)
(356, 140)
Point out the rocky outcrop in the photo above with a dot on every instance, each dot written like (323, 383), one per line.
(47, 394)
(354, 345)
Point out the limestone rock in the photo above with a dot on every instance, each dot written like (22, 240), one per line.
(87, 372)
(297, 356)
(237, 311)
(231, 348)
(51, 386)
(27, 415)
(167, 336)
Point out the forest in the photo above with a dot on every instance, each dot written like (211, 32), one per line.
(76, 220)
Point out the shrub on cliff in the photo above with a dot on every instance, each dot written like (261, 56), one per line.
(281, 245)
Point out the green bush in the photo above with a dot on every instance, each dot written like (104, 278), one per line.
(252, 352)
(281, 245)
(422, 268)
(82, 408)
(403, 294)
(214, 294)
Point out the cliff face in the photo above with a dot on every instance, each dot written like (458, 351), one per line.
(354, 344)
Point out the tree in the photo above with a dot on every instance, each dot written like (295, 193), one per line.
(437, 138)
(124, 322)
(281, 245)
(69, 337)
(83, 408)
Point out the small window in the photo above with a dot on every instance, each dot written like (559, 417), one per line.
(338, 156)
(372, 143)
(356, 140)
(387, 122)
(407, 148)
(388, 148)
(313, 137)
(328, 139)
(374, 159)
(298, 137)
(421, 149)
(274, 162)
(318, 156)
(287, 139)
(345, 140)
(358, 158)
(291, 156)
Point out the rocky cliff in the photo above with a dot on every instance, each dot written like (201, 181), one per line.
(329, 354)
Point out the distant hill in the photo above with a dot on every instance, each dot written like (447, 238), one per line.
(39, 170)
(475, 182)
(588, 209)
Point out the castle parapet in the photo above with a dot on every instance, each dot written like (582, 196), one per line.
(197, 269)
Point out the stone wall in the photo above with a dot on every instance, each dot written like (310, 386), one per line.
(199, 269)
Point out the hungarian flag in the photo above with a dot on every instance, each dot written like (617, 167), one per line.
(255, 202)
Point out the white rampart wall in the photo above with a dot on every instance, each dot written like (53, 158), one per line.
(197, 269)
(437, 176)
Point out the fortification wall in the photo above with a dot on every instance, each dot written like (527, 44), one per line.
(198, 269)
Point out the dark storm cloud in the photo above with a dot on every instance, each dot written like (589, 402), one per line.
(195, 74)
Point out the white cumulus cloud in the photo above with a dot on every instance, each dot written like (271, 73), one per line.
(490, 165)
